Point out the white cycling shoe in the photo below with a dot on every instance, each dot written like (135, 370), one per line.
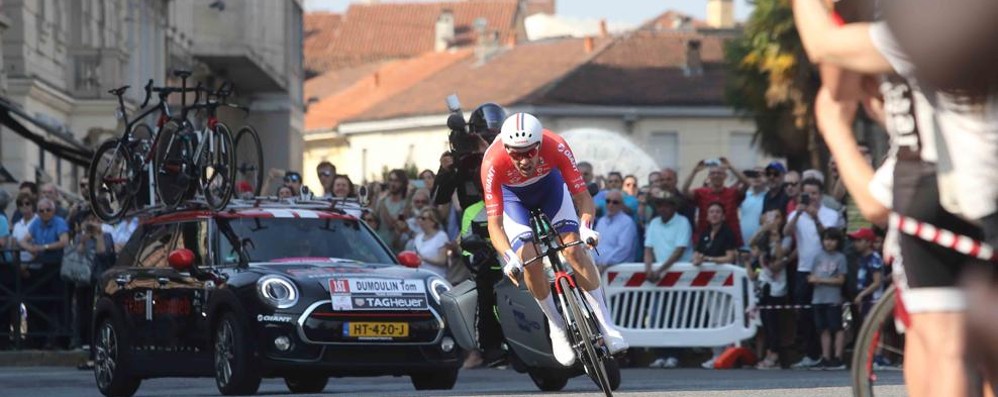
(561, 347)
(614, 341)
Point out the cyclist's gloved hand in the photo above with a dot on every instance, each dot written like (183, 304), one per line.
(513, 267)
(586, 234)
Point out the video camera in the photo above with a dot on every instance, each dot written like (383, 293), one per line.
(461, 140)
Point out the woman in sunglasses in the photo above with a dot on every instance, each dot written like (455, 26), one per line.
(531, 167)
(26, 203)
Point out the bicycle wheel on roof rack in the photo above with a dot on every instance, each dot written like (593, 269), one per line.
(218, 172)
(171, 162)
(249, 161)
(110, 174)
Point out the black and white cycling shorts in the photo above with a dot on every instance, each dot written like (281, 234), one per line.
(931, 270)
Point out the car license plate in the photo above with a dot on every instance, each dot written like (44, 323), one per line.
(371, 329)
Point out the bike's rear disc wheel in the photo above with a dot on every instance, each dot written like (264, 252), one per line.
(110, 174)
(249, 159)
(218, 173)
(878, 335)
(591, 357)
(171, 164)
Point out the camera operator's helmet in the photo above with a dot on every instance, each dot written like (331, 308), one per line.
(521, 131)
(486, 121)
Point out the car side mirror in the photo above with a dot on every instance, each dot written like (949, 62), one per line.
(181, 259)
(409, 259)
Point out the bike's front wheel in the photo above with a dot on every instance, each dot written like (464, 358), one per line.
(218, 169)
(249, 158)
(584, 337)
(171, 163)
(110, 174)
(879, 347)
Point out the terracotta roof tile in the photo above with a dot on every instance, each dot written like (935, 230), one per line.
(646, 69)
(377, 87)
(334, 81)
(320, 30)
(398, 30)
(508, 77)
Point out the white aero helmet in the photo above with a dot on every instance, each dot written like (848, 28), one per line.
(521, 130)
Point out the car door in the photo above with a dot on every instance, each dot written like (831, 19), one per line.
(140, 283)
(180, 296)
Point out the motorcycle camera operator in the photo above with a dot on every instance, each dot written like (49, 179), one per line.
(459, 173)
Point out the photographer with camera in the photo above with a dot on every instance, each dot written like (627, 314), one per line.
(459, 173)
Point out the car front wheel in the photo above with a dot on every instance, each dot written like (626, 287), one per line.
(235, 371)
(306, 383)
(443, 380)
(111, 351)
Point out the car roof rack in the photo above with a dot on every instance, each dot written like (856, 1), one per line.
(335, 204)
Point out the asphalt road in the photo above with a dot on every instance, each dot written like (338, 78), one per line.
(59, 382)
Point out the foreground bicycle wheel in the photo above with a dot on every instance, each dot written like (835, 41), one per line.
(218, 171)
(879, 347)
(249, 158)
(584, 339)
(171, 163)
(110, 175)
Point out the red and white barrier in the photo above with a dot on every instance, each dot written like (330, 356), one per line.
(690, 306)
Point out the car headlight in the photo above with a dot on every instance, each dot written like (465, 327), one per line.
(437, 286)
(277, 291)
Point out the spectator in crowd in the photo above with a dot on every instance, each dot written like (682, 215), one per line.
(615, 181)
(327, 174)
(806, 224)
(122, 231)
(293, 180)
(666, 239)
(431, 243)
(772, 251)
(869, 270)
(630, 185)
(776, 197)
(420, 201)
(427, 177)
(586, 170)
(750, 210)
(48, 235)
(49, 191)
(669, 182)
(715, 191)
(26, 204)
(617, 233)
(654, 179)
(792, 189)
(375, 224)
(827, 276)
(826, 200)
(24, 187)
(393, 207)
(4, 224)
(285, 192)
(94, 243)
(343, 187)
(717, 242)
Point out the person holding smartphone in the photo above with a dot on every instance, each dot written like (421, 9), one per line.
(806, 224)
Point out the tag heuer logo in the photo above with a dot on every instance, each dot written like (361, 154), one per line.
(358, 301)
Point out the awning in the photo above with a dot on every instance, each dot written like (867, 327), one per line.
(60, 143)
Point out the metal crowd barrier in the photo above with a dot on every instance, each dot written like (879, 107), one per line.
(691, 306)
(33, 308)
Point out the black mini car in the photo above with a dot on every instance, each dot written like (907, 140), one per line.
(294, 291)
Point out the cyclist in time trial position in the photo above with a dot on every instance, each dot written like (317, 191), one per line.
(528, 168)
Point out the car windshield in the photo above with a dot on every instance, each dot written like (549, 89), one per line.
(290, 239)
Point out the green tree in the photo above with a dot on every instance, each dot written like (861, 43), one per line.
(771, 81)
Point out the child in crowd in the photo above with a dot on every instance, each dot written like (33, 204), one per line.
(828, 275)
(869, 271)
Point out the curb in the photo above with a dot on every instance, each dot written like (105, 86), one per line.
(37, 358)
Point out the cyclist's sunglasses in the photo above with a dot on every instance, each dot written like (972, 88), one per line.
(523, 154)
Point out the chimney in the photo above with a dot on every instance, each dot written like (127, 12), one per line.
(588, 44)
(603, 31)
(444, 31)
(721, 14)
(694, 64)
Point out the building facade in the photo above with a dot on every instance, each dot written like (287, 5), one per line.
(60, 58)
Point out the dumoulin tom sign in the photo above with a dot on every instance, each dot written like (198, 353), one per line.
(377, 294)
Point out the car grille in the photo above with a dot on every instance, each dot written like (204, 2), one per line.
(321, 324)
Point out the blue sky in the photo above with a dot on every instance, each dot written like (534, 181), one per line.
(626, 11)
